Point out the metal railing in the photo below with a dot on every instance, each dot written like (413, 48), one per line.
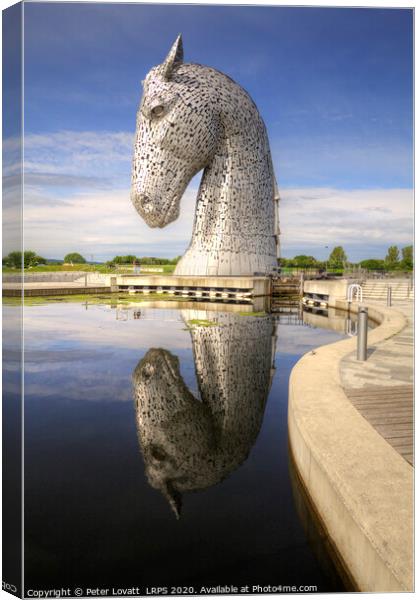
(355, 290)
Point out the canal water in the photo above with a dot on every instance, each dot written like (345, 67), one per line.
(156, 447)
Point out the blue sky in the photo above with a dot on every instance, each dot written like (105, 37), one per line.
(334, 87)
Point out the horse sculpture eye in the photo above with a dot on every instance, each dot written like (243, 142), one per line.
(148, 371)
(158, 453)
(157, 111)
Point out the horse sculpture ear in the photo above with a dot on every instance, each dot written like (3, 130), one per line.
(173, 497)
(174, 58)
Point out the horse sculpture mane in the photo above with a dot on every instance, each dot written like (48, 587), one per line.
(194, 118)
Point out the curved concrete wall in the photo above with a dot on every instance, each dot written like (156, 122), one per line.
(361, 487)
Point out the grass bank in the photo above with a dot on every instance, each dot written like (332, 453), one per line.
(167, 269)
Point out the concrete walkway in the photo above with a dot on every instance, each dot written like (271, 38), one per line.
(382, 387)
(360, 485)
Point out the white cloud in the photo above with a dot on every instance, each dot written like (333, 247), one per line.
(83, 329)
(77, 198)
(106, 223)
(96, 142)
(102, 224)
(102, 155)
(323, 216)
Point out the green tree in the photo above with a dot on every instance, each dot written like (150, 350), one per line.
(407, 258)
(304, 261)
(372, 264)
(392, 258)
(30, 259)
(74, 257)
(13, 259)
(124, 260)
(337, 258)
(154, 260)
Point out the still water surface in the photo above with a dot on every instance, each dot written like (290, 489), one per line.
(156, 448)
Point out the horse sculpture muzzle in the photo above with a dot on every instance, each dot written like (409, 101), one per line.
(157, 185)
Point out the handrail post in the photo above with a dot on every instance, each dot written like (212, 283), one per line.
(362, 331)
(389, 296)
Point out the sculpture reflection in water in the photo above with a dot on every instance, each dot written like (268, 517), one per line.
(191, 443)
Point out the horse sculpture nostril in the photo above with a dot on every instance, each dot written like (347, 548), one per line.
(143, 199)
(144, 203)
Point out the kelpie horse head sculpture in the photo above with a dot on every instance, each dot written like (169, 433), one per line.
(194, 118)
(191, 443)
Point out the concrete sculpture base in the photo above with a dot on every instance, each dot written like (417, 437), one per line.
(216, 287)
